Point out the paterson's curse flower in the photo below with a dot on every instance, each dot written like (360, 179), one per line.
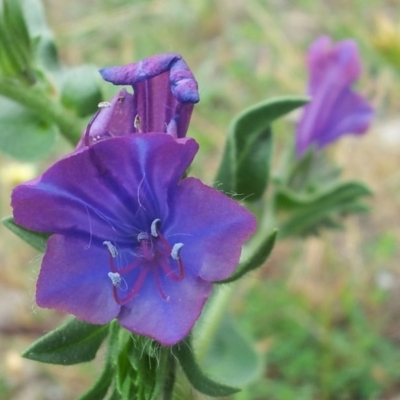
(334, 109)
(129, 239)
(165, 91)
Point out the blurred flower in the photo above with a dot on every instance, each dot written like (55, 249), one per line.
(387, 40)
(334, 109)
(130, 240)
(14, 173)
(164, 94)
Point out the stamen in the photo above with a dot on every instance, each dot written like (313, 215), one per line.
(86, 135)
(115, 278)
(143, 236)
(104, 104)
(175, 250)
(172, 128)
(134, 291)
(137, 123)
(111, 248)
(131, 266)
(171, 274)
(159, 287)
(154, 227)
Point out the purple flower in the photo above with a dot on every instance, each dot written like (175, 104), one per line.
(130, 239)
(334, 109)
(165, 91)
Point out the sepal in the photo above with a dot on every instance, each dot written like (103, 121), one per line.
(136, 369)
(102, 386)
(183, 351)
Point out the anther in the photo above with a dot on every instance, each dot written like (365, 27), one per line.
(115, 278)
(111, 248)
(154, 227)
(136, 123)
(175, 250)
(143, 236)
(172, 128)
(104, 104)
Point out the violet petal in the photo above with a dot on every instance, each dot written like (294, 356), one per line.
(164, 89)
(166, 321)
(73, 279)
(95, 190)
(113, 119)
(333, 69)
(213, 230)
(351, 113)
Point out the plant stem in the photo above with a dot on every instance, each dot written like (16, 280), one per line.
(36, 99)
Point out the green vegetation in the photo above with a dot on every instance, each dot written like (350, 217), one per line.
(326, 324)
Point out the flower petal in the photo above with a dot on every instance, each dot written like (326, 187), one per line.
(212, 228)
(341, 60)
(113, 119)
(333, 69)
(99, 188)
(351, 115)
(74, 279)
(165, 91)
(167, 321)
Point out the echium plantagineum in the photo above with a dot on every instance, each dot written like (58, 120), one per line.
(335, 109)
(130, 239)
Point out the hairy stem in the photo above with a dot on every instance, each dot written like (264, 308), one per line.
(36, 99)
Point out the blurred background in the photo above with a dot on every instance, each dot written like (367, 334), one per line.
(324, 312)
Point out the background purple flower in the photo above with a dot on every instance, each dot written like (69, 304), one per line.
(334, 109)
(165, 91)
(130, 240)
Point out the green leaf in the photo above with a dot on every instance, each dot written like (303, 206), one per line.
(184, 353)
(115, 395)
(72, 343)
(244, 170)
(23, 134)
(46, 54)
(15, 44)
(309, 213)
(81, 90)
(258, 258)
(312, 172)
(42, 38)
(232, 357)
(100, 389)
(35, 239)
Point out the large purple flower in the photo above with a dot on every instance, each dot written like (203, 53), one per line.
(165, 91)
(130, 239)
(334, 109)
